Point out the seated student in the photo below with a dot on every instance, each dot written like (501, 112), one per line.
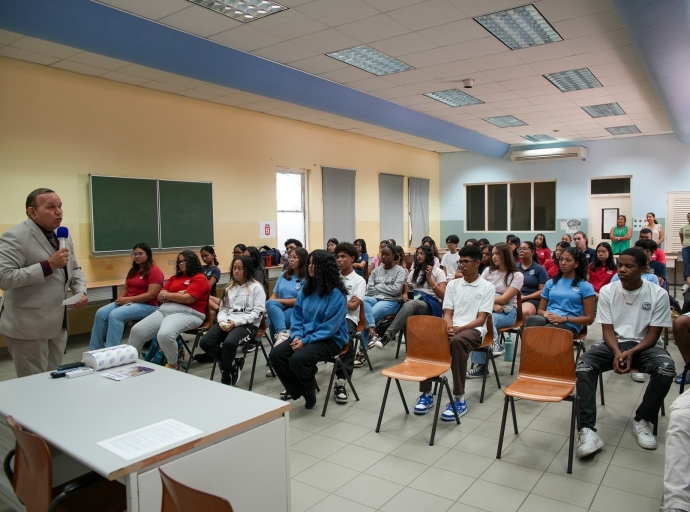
(677, 467)
(137, 300)
(551, 264)
(632, 314)
(534, 278)
(259, 271)
(345, 256)
(659, 255)
(377, 259)
(487, 250)
(383, 296)
(483, 242)
(182, 307)
(508, 280)
(509, 236)
(401, 259)
(427, 241)
(514, 243)
(318, 332)
(290, 244)
(472, 241)
(658, 269)
(567, 300)
(647, 273)
(567, 238)
(210, 268)
(449, 262)
(543, 251)
(362, 262)
(581, 242)
(466, 305)
(238, 250)
(241, 309)
(681, 335)
(603, 268)
(331, 245)
(279, 306)
(427, 285)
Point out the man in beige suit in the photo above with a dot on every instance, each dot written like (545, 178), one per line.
(35, 276)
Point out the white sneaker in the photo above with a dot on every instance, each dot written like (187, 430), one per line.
(643, 430)
(588, 442)
(280, 337)
(637, 377)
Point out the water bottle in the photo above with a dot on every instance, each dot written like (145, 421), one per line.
(509, 346)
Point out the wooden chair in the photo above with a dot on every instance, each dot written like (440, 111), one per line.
(178, 497)
(516, 329)
(32, 480)
(428, 358)
(358, 337)
(546, 374)
(199, 332)
(338, 363)
(486, 347)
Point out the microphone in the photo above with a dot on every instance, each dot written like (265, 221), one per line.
(62, 234)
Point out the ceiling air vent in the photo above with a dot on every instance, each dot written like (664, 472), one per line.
(543, 155)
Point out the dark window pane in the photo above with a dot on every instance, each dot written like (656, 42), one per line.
(475, 208)
(611, 186)
(498, 207)
(545, 206)
(521, 207)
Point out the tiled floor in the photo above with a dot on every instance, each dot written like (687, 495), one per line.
(340, 463)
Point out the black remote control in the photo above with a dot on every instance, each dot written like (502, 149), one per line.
(62, 370)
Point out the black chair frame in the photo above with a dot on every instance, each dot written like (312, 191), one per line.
(338, 363)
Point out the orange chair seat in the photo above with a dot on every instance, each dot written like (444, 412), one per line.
(514, 327)
(416, 370)
(540, 389)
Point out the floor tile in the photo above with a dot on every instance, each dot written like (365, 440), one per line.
(464, 463)
(326, 476)
(587, 469)
(356, 457)
(444, 436)
(334, 503)
(551, 425)
(319, 446)
(420, 451)
(442, 483)
(461, 507)
(413, 500)
(614, 500)
(484, 446)
(493, 497)
(395, 469)
(369, 490)
(381, 442)
(305, 496)
(300, 461)
(639, 461)
(407, 425)
(567, 490)
(509, 475)
(526, 456)
(535, 503)
(297, 435)
(541, 440)
(346, 432)
(369, 419)
(630, 480)
(312, 423)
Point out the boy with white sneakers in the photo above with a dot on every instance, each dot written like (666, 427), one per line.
(466, 305)
(632, 313)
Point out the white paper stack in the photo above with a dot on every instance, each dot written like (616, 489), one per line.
(104, 358)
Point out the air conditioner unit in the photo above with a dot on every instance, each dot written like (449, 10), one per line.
(546, 154)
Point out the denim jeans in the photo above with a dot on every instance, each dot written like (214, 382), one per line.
(686, 261)
(500, 320)
(279, 316)
(375, 310)
(110, 320)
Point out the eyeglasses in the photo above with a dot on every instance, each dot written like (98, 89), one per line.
(523, 249)
(181, 262)
(293, 258)
(138, 254)
(465, 262)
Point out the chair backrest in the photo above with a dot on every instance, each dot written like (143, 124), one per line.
(362, 322)
(489, 337)
(547, 353)
(211, 313)
(178, 497)
(427, 339)
(520, 318)
(33, 469)
(583, 334)
(262, 327)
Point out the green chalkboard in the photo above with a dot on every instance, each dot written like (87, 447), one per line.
(186, 213)
(124, 212)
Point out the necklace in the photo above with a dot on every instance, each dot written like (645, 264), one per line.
(633, 301)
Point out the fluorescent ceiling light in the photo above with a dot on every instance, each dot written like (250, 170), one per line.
(241, 10)
(520, 27)
(573, 80)
(454, 98)
(540, 137)
(623, 130)
(604, 110)
(504, 121)
(368, 59)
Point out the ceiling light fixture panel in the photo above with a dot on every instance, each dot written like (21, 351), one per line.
(241, 10)
(521, 27)
(573, 80)
(623, 130)
(604, 110)
(540, 137)
(454, 98)
(370, 60)
(504, 121)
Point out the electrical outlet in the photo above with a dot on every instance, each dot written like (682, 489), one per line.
(171, 263)
(109, 266)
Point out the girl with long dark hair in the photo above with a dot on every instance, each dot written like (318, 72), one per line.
(137, 300)
(362, 262)
(551, 265)
(541, 249)
(534, 276)
(259, 270)
(279, 306)
(318, 331)
(210, 268)
(603, 268)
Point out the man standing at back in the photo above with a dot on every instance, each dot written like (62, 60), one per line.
(35, 275)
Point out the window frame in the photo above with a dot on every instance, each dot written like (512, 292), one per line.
(303, 174)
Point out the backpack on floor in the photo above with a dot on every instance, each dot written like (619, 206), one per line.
(265, 250)
(155, 354)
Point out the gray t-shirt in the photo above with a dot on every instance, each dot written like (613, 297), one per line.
(386, 284)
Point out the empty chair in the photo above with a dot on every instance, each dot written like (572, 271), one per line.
(177, 497)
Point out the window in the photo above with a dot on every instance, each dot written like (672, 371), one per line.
(290, 195)
(610, 186)
(523, 206)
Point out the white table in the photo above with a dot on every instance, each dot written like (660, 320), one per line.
(242, 455)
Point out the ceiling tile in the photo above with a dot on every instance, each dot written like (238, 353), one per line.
(510, 73)
(246, 38)
(326, 41)
(389, 5)
(495, 61)
(545, 52)
(524, 110)
(451, 69)
(152, 9)
(199, 95)
(559, 10)
(337, 12)
(511, 104)
(182, 81)
(143, 71)
(319, 64)
(289, 24)
(592, 100)
(401, 45)
(623, 78)
(431, 86)
(485, 88)
(6, 37)
(629, 87)
(427, 14)
(543, 99)
(374, 28)
(538, 91)
(499, 96)
(615, 68)
(588, 25)
(217, 90)
(44, 47)
(18, 53)
(285, 52)
(605, 56)
(559, 106)
(161, 86)
(230, 101)
(121, 77)
(98, 61)
(200, 21)
(552, 66)
(436, 105)
(415, 99)
(598, 42)
(392, 92)
(477, 48)
(409, 77)
(79, 68)
(454, 33)
(428, 58)
(371, 84)
(345, 75)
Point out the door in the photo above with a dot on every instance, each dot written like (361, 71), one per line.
(677, 209)
(597, 204)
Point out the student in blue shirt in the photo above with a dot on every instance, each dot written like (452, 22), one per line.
(535, 277)
(279, 306)
(318, 332)
(658, 269)
(567, 301)
(362, 262)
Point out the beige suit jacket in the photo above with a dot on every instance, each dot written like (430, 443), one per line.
(31, 306)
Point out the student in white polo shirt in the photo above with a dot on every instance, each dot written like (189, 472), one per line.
(466, 305)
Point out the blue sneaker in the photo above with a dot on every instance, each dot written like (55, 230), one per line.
(424, 403)
(448, 414)
(679, 378)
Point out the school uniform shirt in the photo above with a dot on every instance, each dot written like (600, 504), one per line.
(631, 322)
(600, 277)
(211, 271)
(467, 300)
(197, 286)
(287, 288)
(659, 269)
(317, 318)
(646, 276)
(659, 256)
(533, 276)
(364, 257)
(496, 278)
(138, 284)
(386, 284)
(450, 263)
(551, 267)
(564, 299)
(590, 254)
(355, 286)
(438, 276)
(543, 255)
(243, 304)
